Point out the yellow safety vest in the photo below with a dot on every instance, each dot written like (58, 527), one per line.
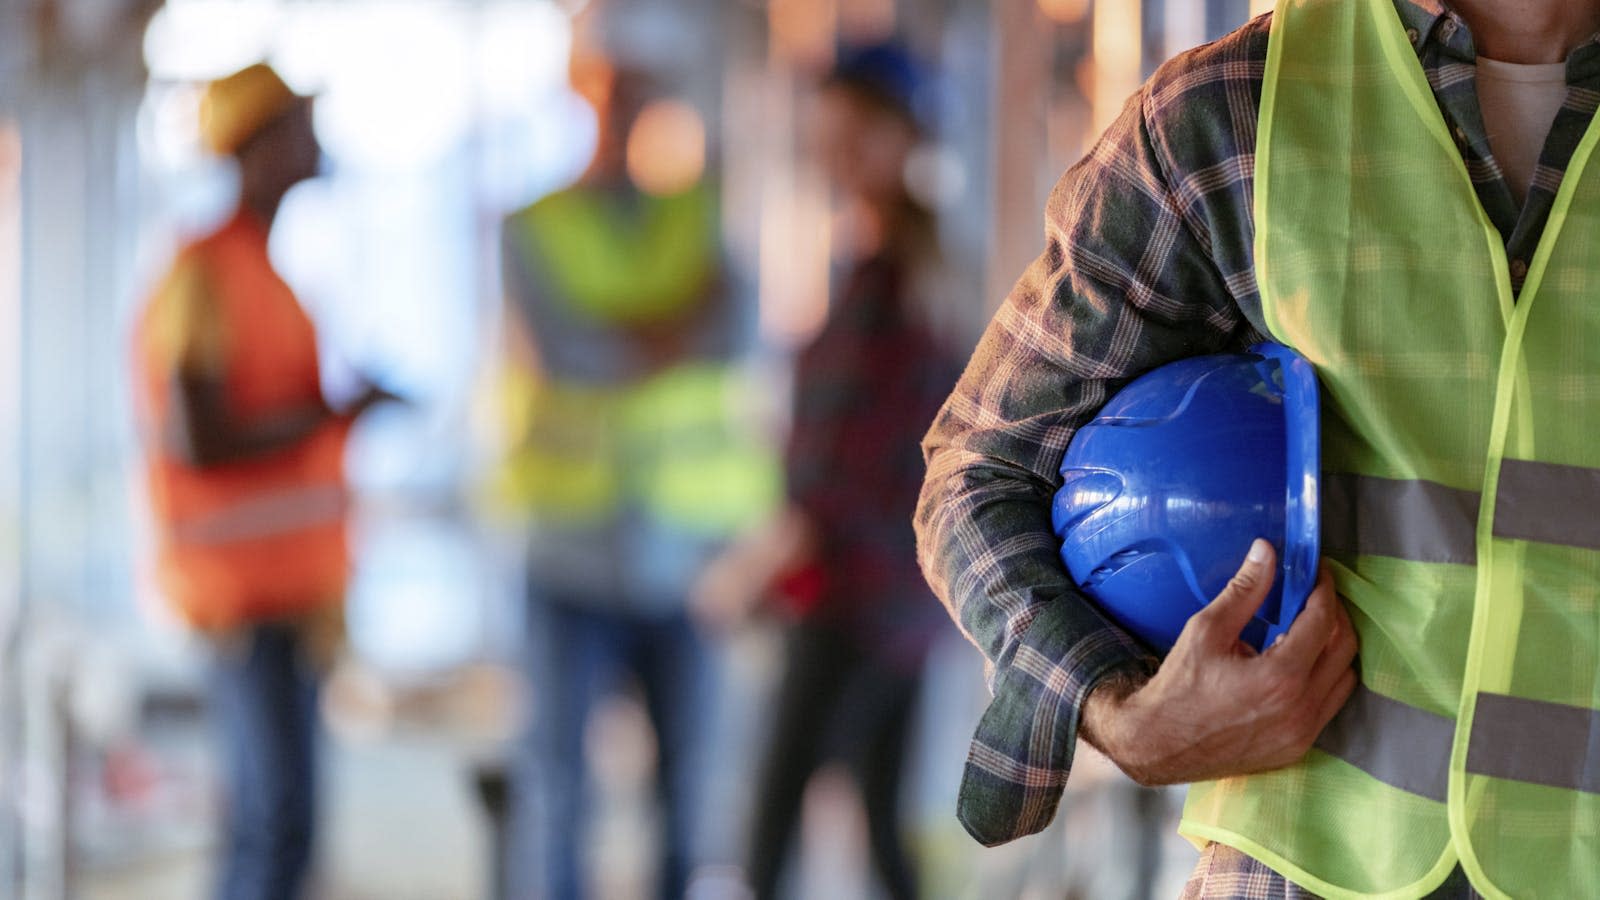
(648, 261)
(1461, 489)
(679, 445)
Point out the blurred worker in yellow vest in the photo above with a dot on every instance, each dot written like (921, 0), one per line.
(631, 462)
(245, 473)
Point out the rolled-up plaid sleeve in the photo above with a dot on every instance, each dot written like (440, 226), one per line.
(1128, 280)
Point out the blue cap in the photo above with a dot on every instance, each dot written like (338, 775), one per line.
(1165, 489)
(889, 72)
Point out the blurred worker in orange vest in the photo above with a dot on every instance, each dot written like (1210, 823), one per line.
(245, 471)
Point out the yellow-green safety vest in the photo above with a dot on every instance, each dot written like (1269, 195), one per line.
(1462, 486)
(630, 265)
(679, 445)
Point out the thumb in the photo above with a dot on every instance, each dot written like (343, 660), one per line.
(1228, 614)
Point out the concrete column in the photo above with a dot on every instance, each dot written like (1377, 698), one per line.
(1184, 25)
(1022, 42)
(1118, 59)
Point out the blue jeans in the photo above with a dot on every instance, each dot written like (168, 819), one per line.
(264, 701)
(578, 655)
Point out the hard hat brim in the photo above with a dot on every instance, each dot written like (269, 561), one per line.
(1302, 543)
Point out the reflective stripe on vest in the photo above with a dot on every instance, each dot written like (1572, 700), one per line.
(1512, 737)
(697, 460)
(1460, 515)
(262, 538)
(674, 446)
(263, 516)
(1424, 521)
(671, 444)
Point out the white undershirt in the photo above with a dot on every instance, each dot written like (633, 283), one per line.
(1519, 104)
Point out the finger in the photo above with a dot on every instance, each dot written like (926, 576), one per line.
(1303, 642)
(1223, 618)
(1344, 627)
(1335, 699)
(1337, 657)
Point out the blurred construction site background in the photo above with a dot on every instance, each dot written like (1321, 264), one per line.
(438, 118)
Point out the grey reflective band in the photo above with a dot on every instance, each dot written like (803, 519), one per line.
(1425, 521)
(1531, 740)
(1421, 521)
(265, 515)
(1398, 744)
(1512, 738)
(1550, 503)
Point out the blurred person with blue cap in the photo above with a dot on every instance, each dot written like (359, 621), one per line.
(839, 561)
(632, 461)
(245, 468)
(1403, 193)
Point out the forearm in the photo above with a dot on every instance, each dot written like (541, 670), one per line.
(986, 545)
(987, 548)
(204, 432)
(1102, 703)
(1125, 284)
(781, 544)
(276, 432)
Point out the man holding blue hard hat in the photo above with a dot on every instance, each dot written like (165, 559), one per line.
(1400, 192)
(1185, 465)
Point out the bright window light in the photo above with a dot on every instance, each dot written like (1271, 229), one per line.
(522, 54)
(397, 88)
(399, 81)
(196, 40)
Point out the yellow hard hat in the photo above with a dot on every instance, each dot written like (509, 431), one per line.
(234, 108)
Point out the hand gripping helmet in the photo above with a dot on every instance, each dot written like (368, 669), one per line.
(1164, 491)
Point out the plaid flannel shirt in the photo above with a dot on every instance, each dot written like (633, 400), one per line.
(1147, 259)
(864, 390)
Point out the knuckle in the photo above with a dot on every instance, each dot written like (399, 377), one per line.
(1242, 583)
(1347, 684)
(1352, 642)
(1142, 777)
(1346, 651)
(1290, 694)
(1291, 717)
(1277, 669)
(1283, 693)
(1304, 743)
(1301, 726)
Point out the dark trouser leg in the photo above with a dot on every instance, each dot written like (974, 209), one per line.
(818, 661)
(675, 670)
(265, 702)
(883, 703)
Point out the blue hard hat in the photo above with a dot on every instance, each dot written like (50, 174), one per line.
(890, 72)
(1165, 489)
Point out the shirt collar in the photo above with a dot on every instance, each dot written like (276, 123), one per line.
(1433, 23)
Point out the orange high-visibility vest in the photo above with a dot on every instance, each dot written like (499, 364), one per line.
(260, 538)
